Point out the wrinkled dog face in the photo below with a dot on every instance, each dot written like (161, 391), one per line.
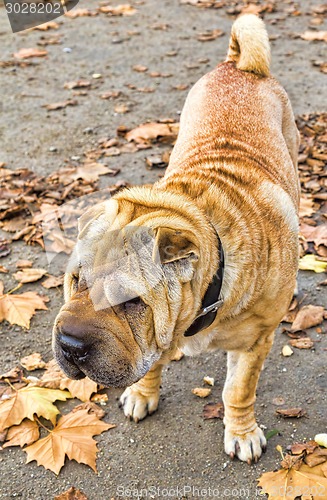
(121, 303)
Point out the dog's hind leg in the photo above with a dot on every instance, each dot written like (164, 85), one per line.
(243, 437)
(142, 398)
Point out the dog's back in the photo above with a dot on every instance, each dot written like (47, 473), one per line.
(249, 111)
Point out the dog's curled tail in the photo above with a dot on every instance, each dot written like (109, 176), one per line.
(249, 45)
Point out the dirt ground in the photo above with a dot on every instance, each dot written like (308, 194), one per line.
(174, 448)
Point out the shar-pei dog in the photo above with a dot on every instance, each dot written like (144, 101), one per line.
(204, 259)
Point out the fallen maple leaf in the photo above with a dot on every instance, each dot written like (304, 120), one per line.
(153, 130)
(33, 362)
(71, 494)
(51, 25)
(302, 343)
(213, 410)
(22, 263)
(26, 53)
(29, 275)
(118, 10)
(306, 207)
(77, 84)
(60, 105)
(80, 13)
(89, 172)
(317, 234)
(55, 378)
(307, 317)
(291, 412)
(315, 36)
(208, 36)
(72, 436)
(25, 433)
(53, 282)
(297, 479)
(28, 401)
(311, 262)
(19, 309)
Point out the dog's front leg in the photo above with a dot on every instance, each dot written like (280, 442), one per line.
(243, 437)
(142, 398)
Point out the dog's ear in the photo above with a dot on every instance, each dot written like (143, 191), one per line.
(174, 245)
(106, 207)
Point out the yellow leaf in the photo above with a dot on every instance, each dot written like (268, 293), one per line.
(311, 262)
(28, 401)
(72, 437)
(25, 433)
(18, 309)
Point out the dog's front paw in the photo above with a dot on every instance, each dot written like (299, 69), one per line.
(136, 405)
(248, 447)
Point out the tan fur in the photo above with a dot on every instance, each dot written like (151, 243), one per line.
(233, 168)
(249, 45)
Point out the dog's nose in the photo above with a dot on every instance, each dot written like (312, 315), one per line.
(73, 349)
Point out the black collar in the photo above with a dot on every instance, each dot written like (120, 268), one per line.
(211, 300)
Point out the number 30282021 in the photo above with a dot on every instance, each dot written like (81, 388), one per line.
(34, 8)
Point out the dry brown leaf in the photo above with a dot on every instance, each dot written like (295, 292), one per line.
(91, 408)
(72, 14)
(113, 94)
(201, 392)
(317, 234)
(89, 172)
(4, 270)
(24, 263)
(33, 362)
(80, 389)
(51, 25)
(151, 131)
(14, 375)
(208, 36)
(320, 36)
(119, 10)
(26, 53)
(19, 309)
(79, 84)
(213, 410)
(291, 413)
(60, 105)
(307, 317)
(25, 433)
(72, 436)
(121, 108)
(306, 207)
(139, 68)
(71, 494)
(53, 282)
(55, 378)
(29, 275)
(280, 485)
(302, 343)
(28, 401)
